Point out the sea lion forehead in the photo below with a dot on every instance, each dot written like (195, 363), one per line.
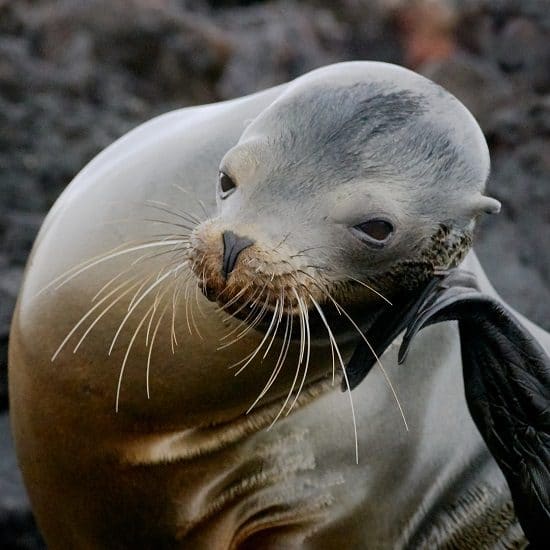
(339, 112)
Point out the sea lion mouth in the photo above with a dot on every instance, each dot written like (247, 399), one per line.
(335, 313)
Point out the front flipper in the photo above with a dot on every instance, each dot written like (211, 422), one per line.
(507, 384)
(388, 323)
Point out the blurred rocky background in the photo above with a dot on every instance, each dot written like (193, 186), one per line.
(77, 74)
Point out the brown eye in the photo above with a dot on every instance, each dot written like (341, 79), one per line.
(376, 231)
(226, 184)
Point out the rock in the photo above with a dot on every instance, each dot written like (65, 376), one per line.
(276, 43)
(521, 51)
(17, 527)
(476, 82)
(10, 279)
(19, 231)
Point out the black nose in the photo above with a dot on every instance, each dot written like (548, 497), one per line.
(233, 245)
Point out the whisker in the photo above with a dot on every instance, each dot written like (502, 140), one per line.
(201, 203)
(186, 297)
(172, 224)
(235, 298)
(126, 355)
(155, 330)
(203, 282)
(260, 345)
(252, 300)
(101, 315)
(67, 272)
(370, 288)
(278, 365)
(149, 324)
(241, 322)
(107, 258)
(108, 284)
(193, 318)
(138, 301)
(173, 338)
(247, 328)
(163, 207)
(337, 349)
(85, 316)
(281, 310)
(140, 288)
(308, 339)
(296, 374)
(360, 332)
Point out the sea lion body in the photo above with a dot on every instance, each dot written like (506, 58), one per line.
(107, 466)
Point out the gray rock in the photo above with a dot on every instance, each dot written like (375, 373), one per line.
(17, 527)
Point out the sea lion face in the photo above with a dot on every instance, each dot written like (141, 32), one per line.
(335, 185)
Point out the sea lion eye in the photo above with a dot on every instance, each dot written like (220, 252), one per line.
(375, 231)
(227, 185)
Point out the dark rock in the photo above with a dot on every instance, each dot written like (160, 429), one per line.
(476, 82)
(17, 527)
(275, 43)
(19, 231)
(10, 280)
(521, 51)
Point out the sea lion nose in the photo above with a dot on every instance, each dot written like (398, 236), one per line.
(233, 245)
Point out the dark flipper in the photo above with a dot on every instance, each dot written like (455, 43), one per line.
(388, 324)
(507, 385)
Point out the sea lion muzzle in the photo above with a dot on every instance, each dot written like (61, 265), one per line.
(233, 245)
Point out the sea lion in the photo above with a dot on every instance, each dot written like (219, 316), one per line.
(299, 211)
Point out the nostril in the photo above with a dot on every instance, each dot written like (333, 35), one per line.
(233, 245)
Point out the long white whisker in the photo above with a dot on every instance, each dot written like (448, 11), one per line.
(186, 298)
(248, 326)
(168, 210)
(370, 288)
(138, 301)
(108, 284)
(107, 258)
(173, 339)
(333, 341)
(83, 263)
(136, 294)
(85, 316)
(360, 332)
(255, 321)
(193, 319)
(154, 335)
(126, 355)
(278, 365)
(101, 315)
(296, 374)
(278, 323)
(187, 228)
(259, 347)
(308, 340)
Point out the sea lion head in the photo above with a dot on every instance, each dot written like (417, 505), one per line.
(359, 175)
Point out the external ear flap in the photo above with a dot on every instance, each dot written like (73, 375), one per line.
(487, 205)
(507, 384)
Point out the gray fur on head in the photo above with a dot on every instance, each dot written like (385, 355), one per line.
(378, 121)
